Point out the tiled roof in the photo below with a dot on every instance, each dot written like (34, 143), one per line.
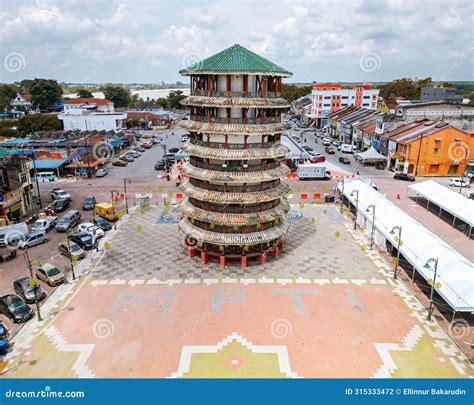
(92, 100)
(235, 59)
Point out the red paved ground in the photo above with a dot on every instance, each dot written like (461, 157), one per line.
(329, 338)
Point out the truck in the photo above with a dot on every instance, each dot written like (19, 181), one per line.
(310, 171)
(11, 234)
(44, 224)
(347, 148)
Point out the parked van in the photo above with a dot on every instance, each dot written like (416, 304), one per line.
(106, 210)
(347, 148)
(313, 172)
(45, 176)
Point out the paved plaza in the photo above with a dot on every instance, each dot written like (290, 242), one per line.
(327, 307)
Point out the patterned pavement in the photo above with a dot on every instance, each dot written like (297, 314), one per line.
(141, 308)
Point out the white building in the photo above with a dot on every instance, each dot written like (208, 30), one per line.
(88, 114)
(22, 102)
(330, 97)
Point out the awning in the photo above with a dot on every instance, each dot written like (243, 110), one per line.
(455, 272)
(370, 156)
(47, 163)
(456, 204)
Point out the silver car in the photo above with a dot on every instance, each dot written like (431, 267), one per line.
(32, 239)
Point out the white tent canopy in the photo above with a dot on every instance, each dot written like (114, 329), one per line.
(370, 155)
(456, 204)
(419, 244)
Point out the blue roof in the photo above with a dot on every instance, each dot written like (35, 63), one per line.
(47, 163)
(115, 142)
(15, 141)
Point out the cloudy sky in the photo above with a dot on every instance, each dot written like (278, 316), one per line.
(151, 40)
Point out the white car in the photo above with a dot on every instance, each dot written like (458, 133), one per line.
(90, 228)
(32, 239)
(58, 194)
(327, 141)
(458, 182)
(101, 173)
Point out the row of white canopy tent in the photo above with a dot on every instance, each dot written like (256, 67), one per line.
(448, 200)
(455, 273)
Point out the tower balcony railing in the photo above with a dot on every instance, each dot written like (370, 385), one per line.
(234, 209)
(233, 146)
(236, 94)
(247, 121)
(234, 168)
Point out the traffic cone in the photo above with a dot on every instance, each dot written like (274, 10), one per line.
(398, 196)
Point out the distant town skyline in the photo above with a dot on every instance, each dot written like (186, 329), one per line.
(150, 41)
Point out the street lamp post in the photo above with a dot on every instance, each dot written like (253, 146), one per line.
(125, 181)
(433, 284)
(71, 262)
(112, 193)
(356, 192)
(466, 153)
(35, 285)
(342, 192)
(369, 208)
(399, 229)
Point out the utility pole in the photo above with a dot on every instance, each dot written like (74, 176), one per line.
(112, 192)
(427, 265)
(71, 262)
(399, 242)
(34, 283)
(125, 181)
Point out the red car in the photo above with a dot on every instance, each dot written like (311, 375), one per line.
(329, 150)
(147, 145)
(318, 159)
(119, 163)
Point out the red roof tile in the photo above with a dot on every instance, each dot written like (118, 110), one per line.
(92, 100)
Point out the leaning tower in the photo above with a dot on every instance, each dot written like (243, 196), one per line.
(235, 206)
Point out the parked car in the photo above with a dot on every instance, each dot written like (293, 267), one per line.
(57, 193)
(329, 150)
(61, 205)
(89, 203)
(44, 224)
(50, 274)
(102, 223)
(25, 290)
(147, 145)
(32, 239)
(403, 176)
(71, 249)
(308, 148)
(119, 163)
(140, 149)
(83, 239)
(318, 159)
(101, 173)
(12, 306)
(337, 144)
(91, 229)
(344, 160)
(127, 158)
(458, 182)
(70, 219)
(160, 165)
(4, 332)
(173, 150)
(134, 154)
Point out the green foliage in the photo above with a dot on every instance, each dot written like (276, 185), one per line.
(404, 87)
(44, 92)
(291, 92)
(7, 93)
(8, 128)
(119, 95)
(84, 93)
(38, 122)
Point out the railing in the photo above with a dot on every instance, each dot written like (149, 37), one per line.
(249, 121)
(233, 229)
(249, 94)
(235, 189)
(232, 168)
(236, 208)
(238, 146)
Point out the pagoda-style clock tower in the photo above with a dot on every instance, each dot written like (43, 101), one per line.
(235, 206)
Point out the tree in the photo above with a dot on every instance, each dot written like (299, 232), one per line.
(120, 96)
(291, 92)
(45, 92)
(8, 128)
(38, 122)
(174, 99)
(7, 93)
(83, 93)
(404, 87)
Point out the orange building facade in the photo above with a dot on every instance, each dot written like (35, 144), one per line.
(428, 148)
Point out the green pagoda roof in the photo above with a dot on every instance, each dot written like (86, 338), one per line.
(235, 60)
